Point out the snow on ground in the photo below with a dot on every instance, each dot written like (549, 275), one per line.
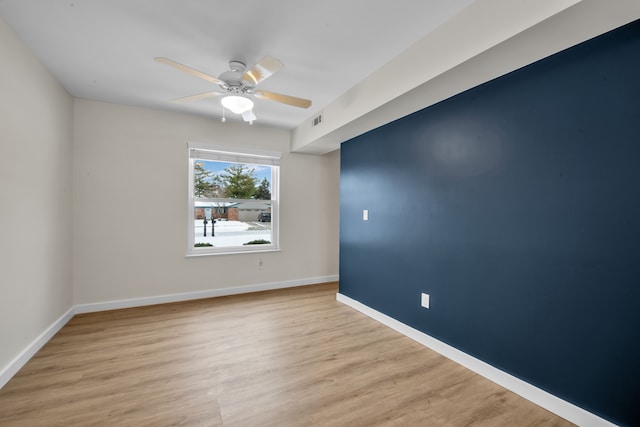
(232, 233)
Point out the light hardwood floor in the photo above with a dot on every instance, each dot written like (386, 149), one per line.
(293, 357)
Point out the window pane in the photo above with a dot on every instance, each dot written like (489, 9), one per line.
(237, 223)
(232, 180)
(232, 204)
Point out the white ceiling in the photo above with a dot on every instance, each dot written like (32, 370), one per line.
(104, 49)
(363, 63)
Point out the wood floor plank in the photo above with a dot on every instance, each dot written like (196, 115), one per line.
(293, 357)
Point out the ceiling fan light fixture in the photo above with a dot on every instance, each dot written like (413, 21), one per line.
(249, 116)
(237, 104)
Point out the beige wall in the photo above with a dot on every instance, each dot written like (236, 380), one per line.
(126, 158)
(73, 176)
(36, 116)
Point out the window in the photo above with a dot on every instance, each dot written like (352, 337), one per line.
(233, 200)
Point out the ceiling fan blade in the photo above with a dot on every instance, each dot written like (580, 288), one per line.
(196, 97)
(265, 68)
(189, 70)
(285, 99)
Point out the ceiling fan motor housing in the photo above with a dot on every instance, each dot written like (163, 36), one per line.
(237, 66)
(233, 77)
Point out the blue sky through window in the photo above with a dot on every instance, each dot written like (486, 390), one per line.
(261, 171)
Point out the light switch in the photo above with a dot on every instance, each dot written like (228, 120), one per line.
(424, 300)
(365, 215)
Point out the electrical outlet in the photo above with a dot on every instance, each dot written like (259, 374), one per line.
(424, 301)
(365, 215)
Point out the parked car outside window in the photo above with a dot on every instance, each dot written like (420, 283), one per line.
(264, 217)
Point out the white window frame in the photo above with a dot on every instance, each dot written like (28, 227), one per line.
(212, 152)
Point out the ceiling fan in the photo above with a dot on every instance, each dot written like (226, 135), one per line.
(237, 85)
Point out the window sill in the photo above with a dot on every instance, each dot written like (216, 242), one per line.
(232, 252)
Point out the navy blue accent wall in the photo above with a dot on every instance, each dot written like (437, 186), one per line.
(516, 206)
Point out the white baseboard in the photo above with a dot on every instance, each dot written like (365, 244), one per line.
(536, 395)
(16, 364)
(210, 293)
